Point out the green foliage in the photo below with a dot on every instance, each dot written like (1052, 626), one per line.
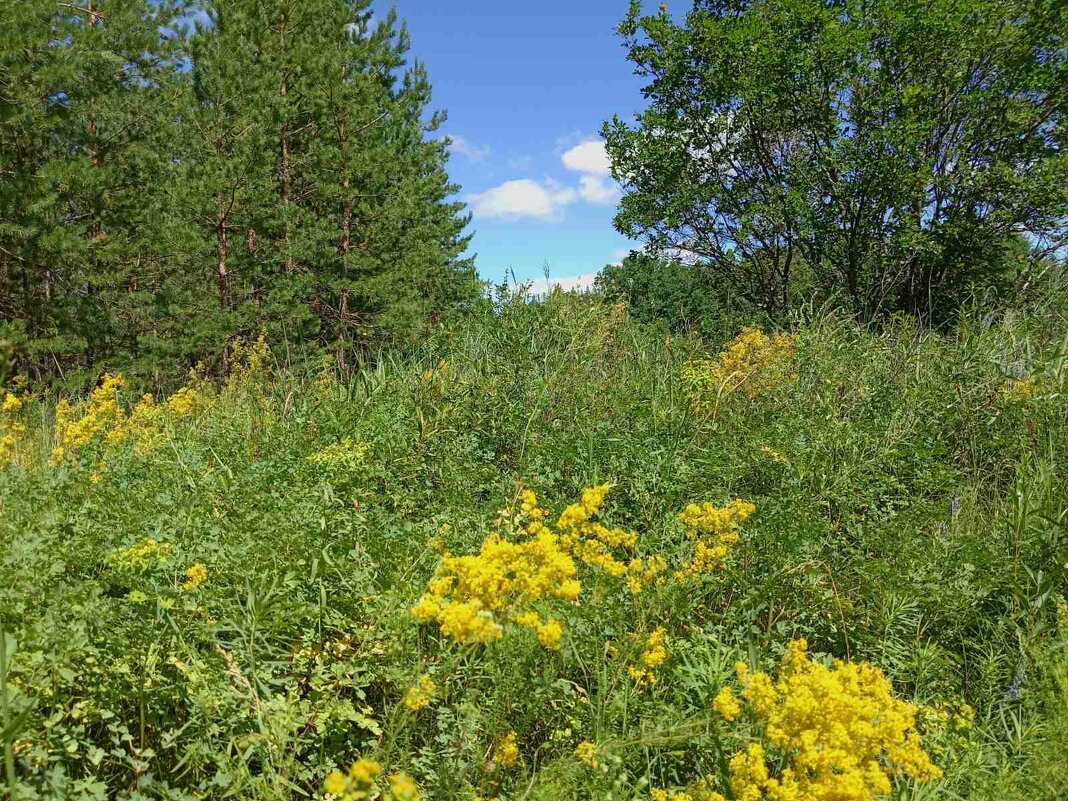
(82, 143)
(684, 298)
(166, 191)
(889, 154)
(910, 505)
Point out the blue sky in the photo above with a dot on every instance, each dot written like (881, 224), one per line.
(527, 87)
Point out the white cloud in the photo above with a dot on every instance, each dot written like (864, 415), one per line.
(541, 286)
(545, 200)
(588, 157)
(521, 198)
(595, 183)
(598, 190)
(462, 147)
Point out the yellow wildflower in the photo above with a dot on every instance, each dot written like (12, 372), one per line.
(347, 455)
(12, 403)
(402, 787)
(726, 704)
(741, 670)
(586, 753)
(844, 735)
(468, 593)
(140, 555)
(357, 784)
(532, 562)
(1019, 389)
(714, 530)
(641, 574)
(11, 429)
(335, 783)
(102, 417)
(654, 654)
(364, 771)
(195, 576)
(752, 362)
(185, 402)
(506, 752)
(419, 696)
(250, 364)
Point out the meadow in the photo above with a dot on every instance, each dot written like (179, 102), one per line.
(550, 554)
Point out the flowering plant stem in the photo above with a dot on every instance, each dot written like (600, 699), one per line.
(8, 724)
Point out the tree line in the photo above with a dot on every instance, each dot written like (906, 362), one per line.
(178, 174)
(890, 156)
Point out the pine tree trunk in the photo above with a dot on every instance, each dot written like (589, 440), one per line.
(343, 252)
(284, 155)
(220, 257)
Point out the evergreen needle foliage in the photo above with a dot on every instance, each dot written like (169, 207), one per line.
(167, 187)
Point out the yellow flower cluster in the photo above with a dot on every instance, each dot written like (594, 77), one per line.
(843, 735)
(102, 416)
(726, 704)
(586, 753)
(402, 787)
(471, 597)
(195, 576)
(549, 632)
(713, 531)
(662, 795)
(598, 546)
(11, 429)
(148, 420)
(347, 455)
(357, 783)
(419, 695)
(506, 752)
(700, 790)
(361, 782)
(140, 555)
(250, 364)
(591, 541)
(654, 654)
(642, 573)
(1018, 389)
(752, 363)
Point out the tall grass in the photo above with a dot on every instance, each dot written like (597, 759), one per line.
(911, 500)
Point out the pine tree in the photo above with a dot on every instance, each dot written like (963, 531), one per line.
(380, 183)
(349, 234)
(86, 87)
(274, 173)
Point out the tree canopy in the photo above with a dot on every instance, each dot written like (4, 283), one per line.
(889, 153)
(167, 188)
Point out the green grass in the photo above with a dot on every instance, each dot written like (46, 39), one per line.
(910, 513)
